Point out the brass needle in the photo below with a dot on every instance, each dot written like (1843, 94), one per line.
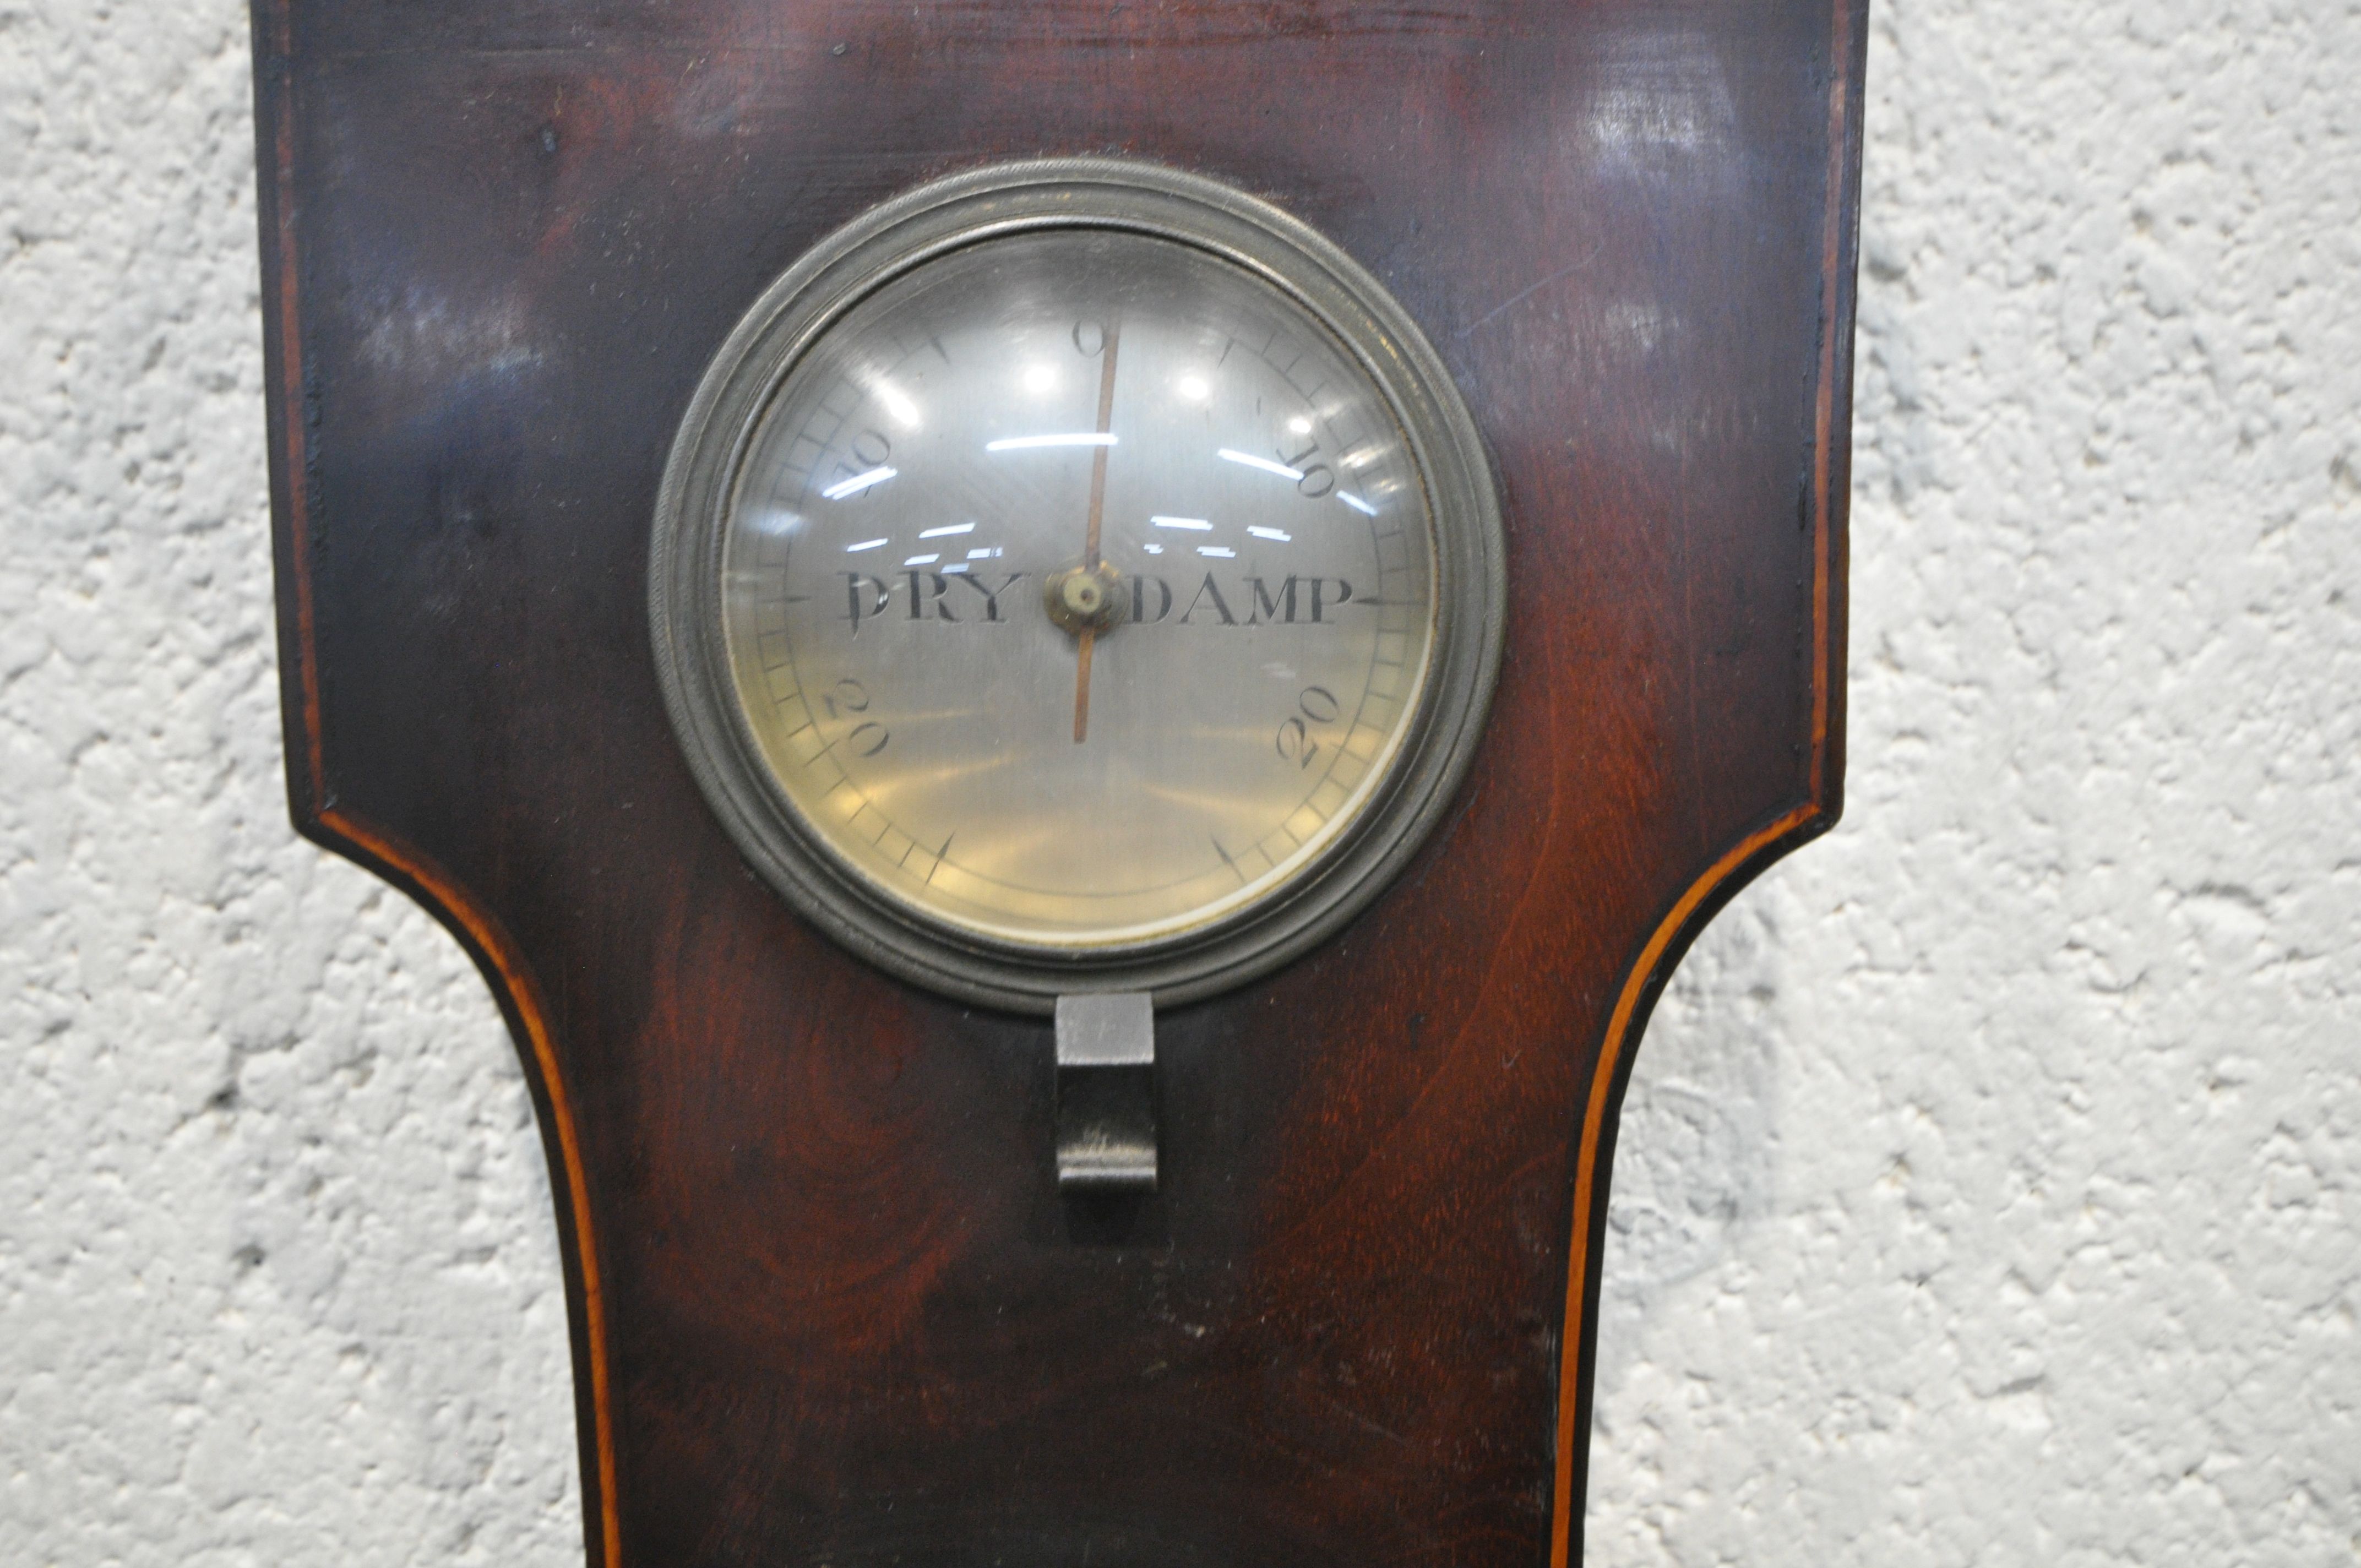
(1091, 535)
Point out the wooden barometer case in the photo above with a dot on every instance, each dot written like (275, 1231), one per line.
(1076, 670)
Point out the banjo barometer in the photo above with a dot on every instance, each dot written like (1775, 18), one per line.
(928, 590)
(1077, 576)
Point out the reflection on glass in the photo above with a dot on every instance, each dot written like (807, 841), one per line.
(1028, 443)
(1230, 454)
(858, 483)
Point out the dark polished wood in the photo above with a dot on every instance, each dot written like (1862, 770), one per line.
(827, 1304)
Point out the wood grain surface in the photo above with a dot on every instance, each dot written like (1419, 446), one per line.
(828, 1305)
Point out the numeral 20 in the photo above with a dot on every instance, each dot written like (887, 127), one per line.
(847, 696)
(1318, 705)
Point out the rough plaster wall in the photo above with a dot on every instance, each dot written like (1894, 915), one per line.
(1984, 1196)
(1989, 1192)
(279, 1284)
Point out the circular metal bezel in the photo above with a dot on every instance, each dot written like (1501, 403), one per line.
(906, 233)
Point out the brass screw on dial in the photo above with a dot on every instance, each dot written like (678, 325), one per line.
(1084, 598)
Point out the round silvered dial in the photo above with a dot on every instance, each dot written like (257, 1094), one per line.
(1067, 583)
(1078, 588)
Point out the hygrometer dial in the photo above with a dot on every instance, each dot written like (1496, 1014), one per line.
(1054, 589)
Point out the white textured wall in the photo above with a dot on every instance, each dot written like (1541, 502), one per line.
(1987, 1187)
(279, 1283)
(1993, 1184)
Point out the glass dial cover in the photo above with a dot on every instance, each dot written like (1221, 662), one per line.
(1064, 586)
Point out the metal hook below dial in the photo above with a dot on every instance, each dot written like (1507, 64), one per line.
(1107, 1093)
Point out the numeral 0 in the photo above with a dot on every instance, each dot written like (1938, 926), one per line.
(1318, 705)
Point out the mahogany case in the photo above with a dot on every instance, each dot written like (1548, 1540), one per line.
(827, 1306)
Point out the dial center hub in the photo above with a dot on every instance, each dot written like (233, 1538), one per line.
(1084, 598)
